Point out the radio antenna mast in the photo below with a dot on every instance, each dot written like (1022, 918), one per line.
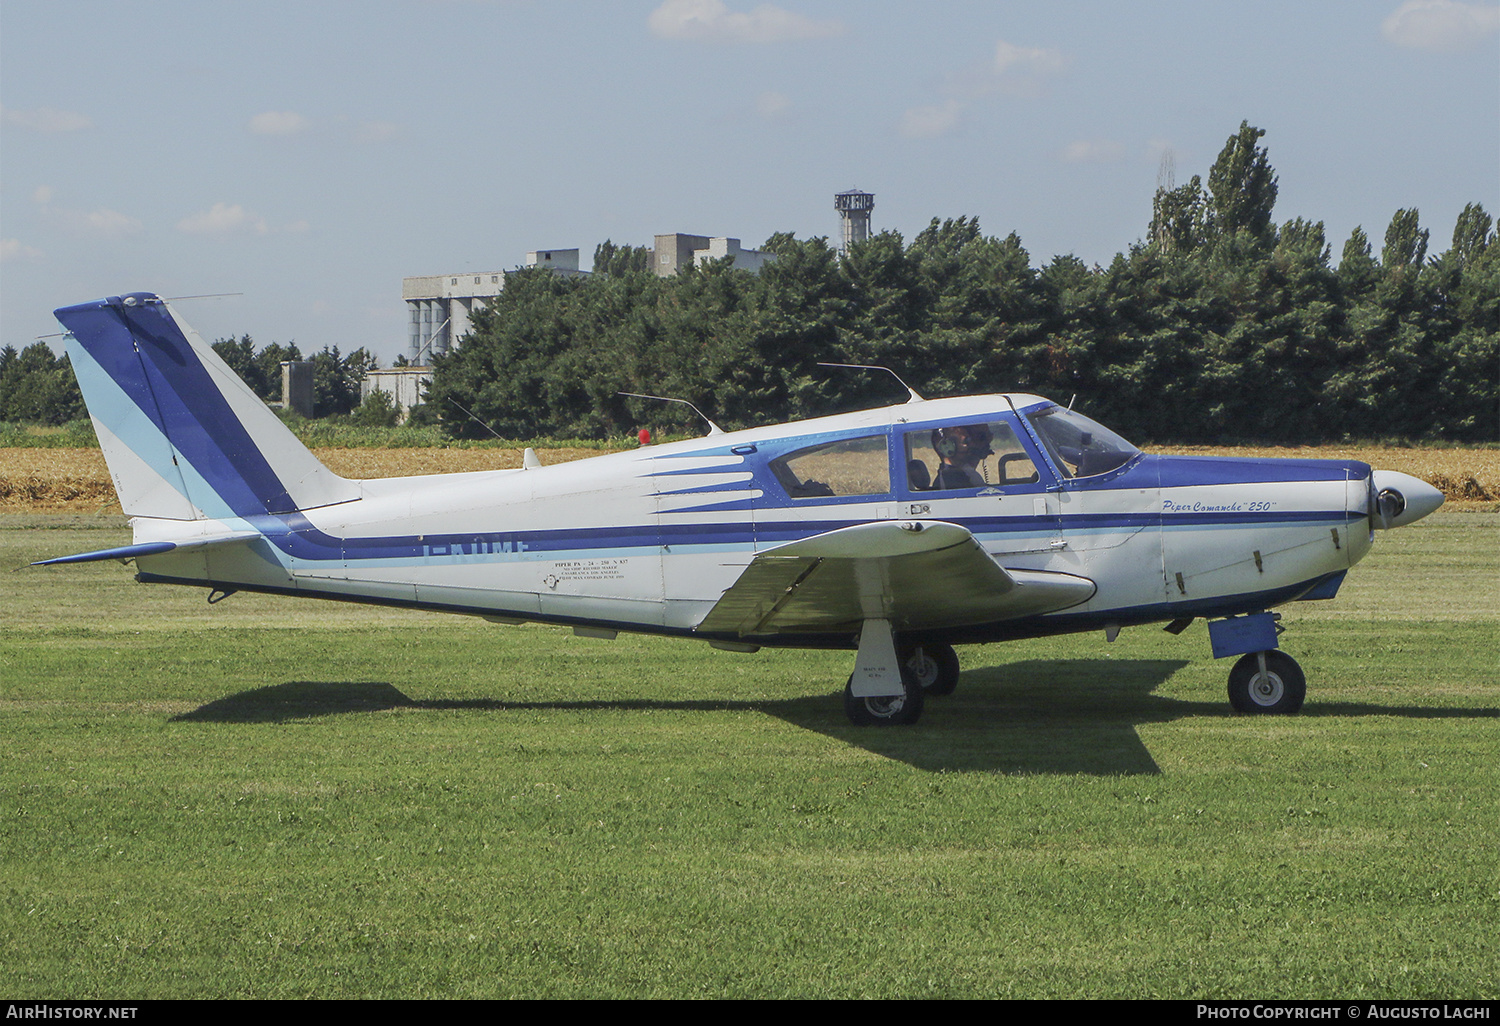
(870, 366)
(713, 429)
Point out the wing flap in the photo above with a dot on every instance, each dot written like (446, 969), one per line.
(917, 574)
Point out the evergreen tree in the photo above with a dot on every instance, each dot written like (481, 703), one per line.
(38, 387)
(618, 260)
(240, 355)
(1242, 187)
(1405, 241)
(1472, 235)
(1179, 217)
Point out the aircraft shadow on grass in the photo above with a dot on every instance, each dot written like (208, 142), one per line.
(1032, 716)
(1038, 716)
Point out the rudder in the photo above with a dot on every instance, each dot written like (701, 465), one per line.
(183, 436)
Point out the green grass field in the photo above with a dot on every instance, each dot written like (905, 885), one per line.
(278, 798)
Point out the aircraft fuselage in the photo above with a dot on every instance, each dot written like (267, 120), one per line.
(649, 540)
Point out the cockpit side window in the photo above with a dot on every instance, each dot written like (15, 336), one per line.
(958, 456)
(1079, 446)
(853, 466)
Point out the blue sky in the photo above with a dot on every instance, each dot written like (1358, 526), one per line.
(310, 155)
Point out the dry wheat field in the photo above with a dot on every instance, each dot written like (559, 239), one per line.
(76, 480)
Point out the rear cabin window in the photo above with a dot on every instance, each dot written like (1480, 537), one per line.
(854, 466)
(961, 456)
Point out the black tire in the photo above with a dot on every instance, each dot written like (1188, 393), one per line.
(935, 665)
(887, 711)
(1279, 692)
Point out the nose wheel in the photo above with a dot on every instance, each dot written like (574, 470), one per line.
(1269, 683)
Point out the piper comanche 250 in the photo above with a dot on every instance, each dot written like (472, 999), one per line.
(896, 533)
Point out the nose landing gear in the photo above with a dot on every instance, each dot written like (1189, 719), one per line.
(1265, 680)
(1267, 683)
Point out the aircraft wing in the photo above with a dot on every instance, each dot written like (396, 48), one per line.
(919, 575)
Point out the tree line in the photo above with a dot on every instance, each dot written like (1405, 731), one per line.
(336, 377)
(1222, 325)
(38, 387)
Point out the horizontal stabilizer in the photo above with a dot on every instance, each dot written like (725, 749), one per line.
(920, 575)
(155, 548)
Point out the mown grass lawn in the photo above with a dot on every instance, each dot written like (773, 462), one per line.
(274, 798)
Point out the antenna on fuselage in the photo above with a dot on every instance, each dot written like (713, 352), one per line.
(713, 428)
(475, 419)
(871, 366)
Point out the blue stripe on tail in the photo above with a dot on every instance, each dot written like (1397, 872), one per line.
(135, 340)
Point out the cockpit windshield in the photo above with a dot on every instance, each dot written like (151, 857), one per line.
(1079, 446)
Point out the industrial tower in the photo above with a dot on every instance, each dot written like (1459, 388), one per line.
(854, 208)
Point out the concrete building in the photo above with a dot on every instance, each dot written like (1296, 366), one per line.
(403, 384)
(676, 251)
(561, 261)
(854, 209)
(744, 259)
(297, 392)
(439, 308)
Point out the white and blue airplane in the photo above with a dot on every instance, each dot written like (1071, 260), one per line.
(895, 533)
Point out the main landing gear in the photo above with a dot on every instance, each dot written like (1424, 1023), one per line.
(891, 681)
(885, 710)
(934, 665)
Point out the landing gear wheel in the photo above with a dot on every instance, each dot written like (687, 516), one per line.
(1278, 691)
(934, 665)
(885, 710)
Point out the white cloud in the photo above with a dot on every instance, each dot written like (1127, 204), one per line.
(1092, 151)
(1440, 26)
(15, 249)
(711, 21)
(772, 105)
(930, 121)
(1030, 60)
(223, 219)
(46, 119)
(100, 222)
(278, 122)
(1014, 71)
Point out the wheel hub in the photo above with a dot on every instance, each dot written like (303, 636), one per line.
(925, 667)
(1266, 688)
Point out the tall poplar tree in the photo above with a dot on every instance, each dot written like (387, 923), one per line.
(1242, 187)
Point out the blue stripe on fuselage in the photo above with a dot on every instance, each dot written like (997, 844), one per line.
(1207, 471)
(300, 540)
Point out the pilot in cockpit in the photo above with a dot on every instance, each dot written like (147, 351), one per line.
(961, 448)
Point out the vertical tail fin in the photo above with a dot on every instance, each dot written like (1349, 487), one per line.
(184, 437)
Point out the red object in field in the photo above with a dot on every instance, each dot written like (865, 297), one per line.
(644, 436)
